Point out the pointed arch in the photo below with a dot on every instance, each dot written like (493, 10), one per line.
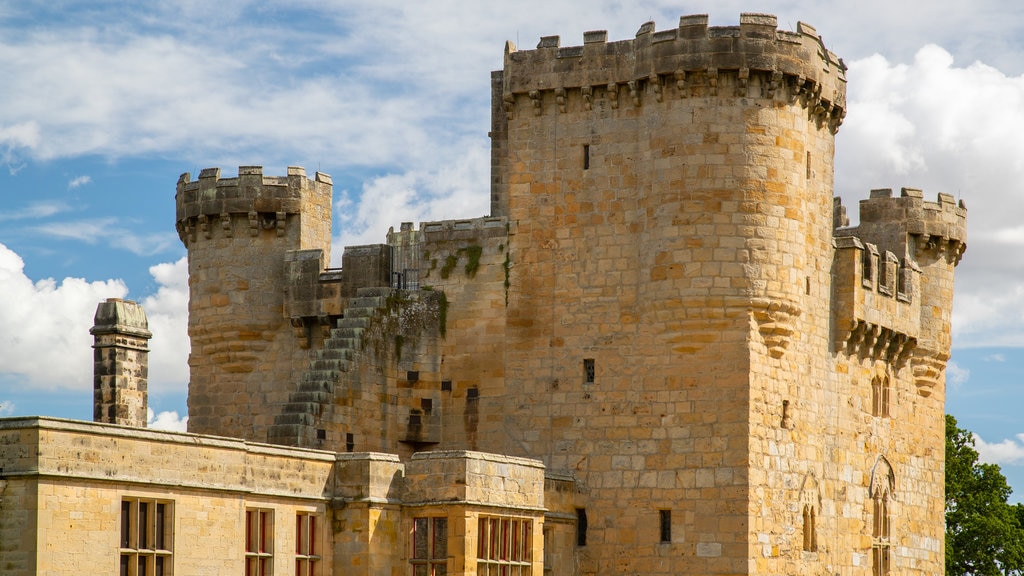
(881, 491)
(810, 506)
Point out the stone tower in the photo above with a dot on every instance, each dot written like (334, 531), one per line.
(679, 338)
(666, 305)
(238, 231)
(120, 363)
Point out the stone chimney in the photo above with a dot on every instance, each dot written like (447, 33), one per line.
(120, 363)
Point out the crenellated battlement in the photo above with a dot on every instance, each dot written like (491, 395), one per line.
(890, 220)
(264, 201)
(754, 59)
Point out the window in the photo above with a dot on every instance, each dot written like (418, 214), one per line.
(146, 537)
(429, 546)
(503, 547)
(581, 526)
(880, 545)
(881, 491)
(588, 370)
(810, 530)
(259, 542)
(666, 525)
(880, 396)
(586, 156)
(306, 549)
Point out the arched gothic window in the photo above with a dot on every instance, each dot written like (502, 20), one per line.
(881, 491)
(810, 504)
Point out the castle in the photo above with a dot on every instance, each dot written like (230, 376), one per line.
(665, 351)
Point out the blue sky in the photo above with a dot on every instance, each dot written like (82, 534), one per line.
(105, 103)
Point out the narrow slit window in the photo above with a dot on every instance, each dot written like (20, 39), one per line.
(808, 165)
(665, 517)
(350, 442)
(586, 156)
(581, 526)
(588, 370)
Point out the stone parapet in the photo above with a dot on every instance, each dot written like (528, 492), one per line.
(474, 478)
(38, 446)
(889, 221)
(265, 201)
(688, 61)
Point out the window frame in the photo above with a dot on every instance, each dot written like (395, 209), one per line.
(307, 559)
(259, 542)
(429, 535)
(504, 546)
(146, 540)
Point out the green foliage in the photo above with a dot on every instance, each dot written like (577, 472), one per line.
(399, 341)
(473, 255)
(984, 534)
(449, 265)
(442, 314)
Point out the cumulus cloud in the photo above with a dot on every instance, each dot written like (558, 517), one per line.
(457, 190)
(166, 421)
(46, 341)
(47, 345)
(934, 125)
(955, 375)
(1010, 451)
(167, 312)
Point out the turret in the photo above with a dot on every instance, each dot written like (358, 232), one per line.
(239, 231)
(670, 207)
(120, 363)
(894, 280)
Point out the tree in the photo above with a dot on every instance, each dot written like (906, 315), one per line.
(984, 534)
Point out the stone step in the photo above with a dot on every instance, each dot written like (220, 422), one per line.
(339, 354)
(328, 365)
(354, 322)
(314, 408)
(349, 343)
(317, 396)
(347, 332)
(375, 291)
(293, 418)
(311, 384)
(365, 302)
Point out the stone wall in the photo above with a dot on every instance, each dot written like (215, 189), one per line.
(245, 357)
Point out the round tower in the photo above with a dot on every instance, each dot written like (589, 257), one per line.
(670, 200)
(237, 231)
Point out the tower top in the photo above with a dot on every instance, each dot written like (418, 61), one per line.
(117, 316)
(693, 51)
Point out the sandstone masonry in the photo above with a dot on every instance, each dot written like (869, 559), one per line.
(665, 351)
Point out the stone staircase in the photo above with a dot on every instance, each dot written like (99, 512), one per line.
(296, 425)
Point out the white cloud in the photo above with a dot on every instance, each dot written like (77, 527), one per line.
(941, 127)
(110, 231)
(1010, 451)
(166, 421)
(46, 341)
(6, 408)
(955, 375)
(48, 346)
(79, 181)
(167, 313)
(456, 190)
(35, 210)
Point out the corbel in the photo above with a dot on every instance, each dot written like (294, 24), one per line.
(535, 98)
(588, 97)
